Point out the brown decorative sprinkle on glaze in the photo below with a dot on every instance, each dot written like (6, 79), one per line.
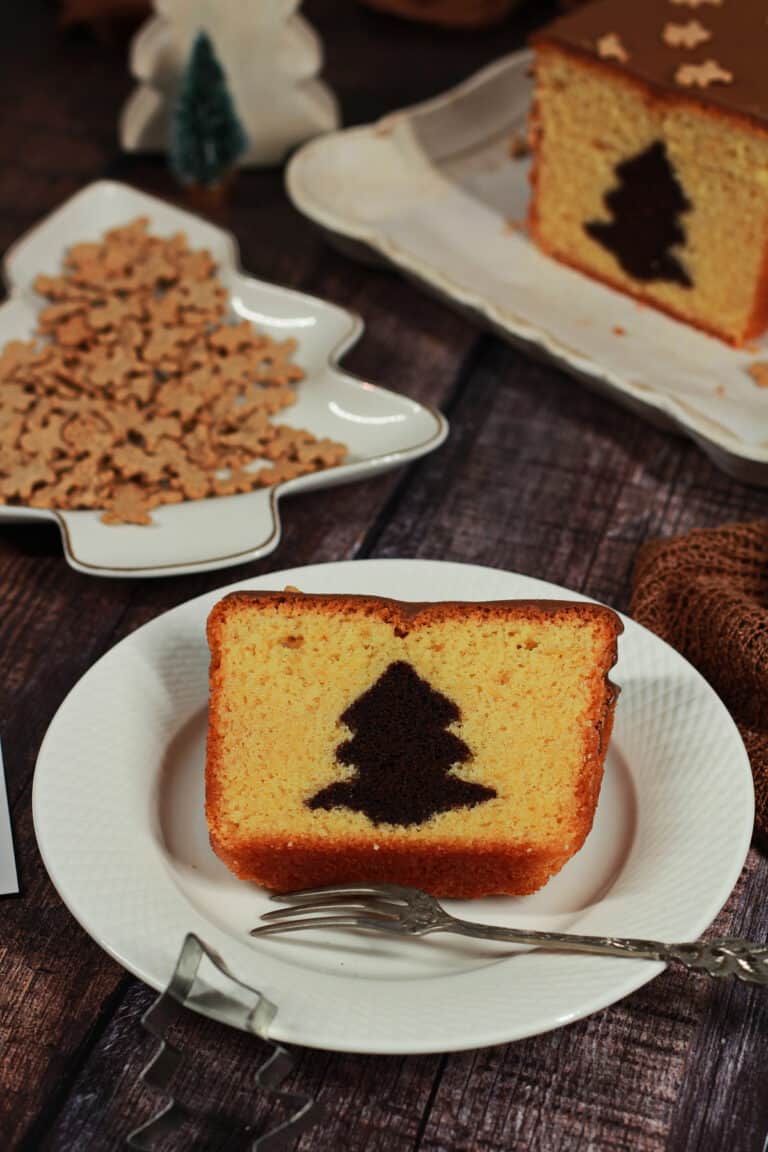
(759, 373)
(610, 47)
(696, 3)
(702, 75)
(688, 35)
(738, 43)
(145, 393)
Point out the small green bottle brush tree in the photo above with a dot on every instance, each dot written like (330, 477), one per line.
(206, 136)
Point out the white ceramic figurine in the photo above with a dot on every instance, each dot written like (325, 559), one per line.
(271, 57)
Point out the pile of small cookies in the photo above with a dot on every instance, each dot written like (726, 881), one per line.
(142, 392)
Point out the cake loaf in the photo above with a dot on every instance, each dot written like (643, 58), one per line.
(454, 747)
(650, 137)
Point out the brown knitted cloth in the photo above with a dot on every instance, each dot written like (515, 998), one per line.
(706, 594)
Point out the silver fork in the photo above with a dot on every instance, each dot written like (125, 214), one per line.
(409, 912)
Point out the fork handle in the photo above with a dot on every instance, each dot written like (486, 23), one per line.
(743, 959)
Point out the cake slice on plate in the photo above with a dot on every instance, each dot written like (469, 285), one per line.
(650, 136)
(455, 747)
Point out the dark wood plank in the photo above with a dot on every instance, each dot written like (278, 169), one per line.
(377, 63)
(539, 476)
(722, 1102)
(544, 477)
(368, 1103)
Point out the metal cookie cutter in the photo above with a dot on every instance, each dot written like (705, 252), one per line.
(224, 998)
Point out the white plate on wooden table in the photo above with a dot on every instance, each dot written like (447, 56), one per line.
(382, 429)
(434, 191)
(118, 811)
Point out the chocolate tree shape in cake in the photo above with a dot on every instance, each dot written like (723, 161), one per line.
(403, 754)
(646, 207)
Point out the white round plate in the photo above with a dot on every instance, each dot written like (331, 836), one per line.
(118, 809)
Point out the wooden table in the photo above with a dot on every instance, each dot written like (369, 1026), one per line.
(539, 476)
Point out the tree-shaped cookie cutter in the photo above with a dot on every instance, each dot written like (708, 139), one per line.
(225, 998)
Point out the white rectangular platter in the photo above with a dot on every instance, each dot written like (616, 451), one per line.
(434, 190)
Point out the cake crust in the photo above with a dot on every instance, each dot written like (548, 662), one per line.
(444, 863)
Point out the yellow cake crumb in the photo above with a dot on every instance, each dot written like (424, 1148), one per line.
(528, 683)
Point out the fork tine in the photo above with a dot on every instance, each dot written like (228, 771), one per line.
(299, 923)
(322, 899)
(346, 909)
(387, 891)
(325, 903)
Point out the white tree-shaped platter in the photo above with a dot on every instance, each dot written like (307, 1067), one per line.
(382, 429)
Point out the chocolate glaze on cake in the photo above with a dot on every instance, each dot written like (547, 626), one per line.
(403, 753)
(739, 44)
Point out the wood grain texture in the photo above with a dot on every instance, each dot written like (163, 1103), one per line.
(540, 476)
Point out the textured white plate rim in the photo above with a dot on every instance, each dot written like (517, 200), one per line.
(328, 993)
(684, 416)
(343, 473)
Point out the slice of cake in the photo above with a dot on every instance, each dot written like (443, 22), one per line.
(650, 138)
(455, 747)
